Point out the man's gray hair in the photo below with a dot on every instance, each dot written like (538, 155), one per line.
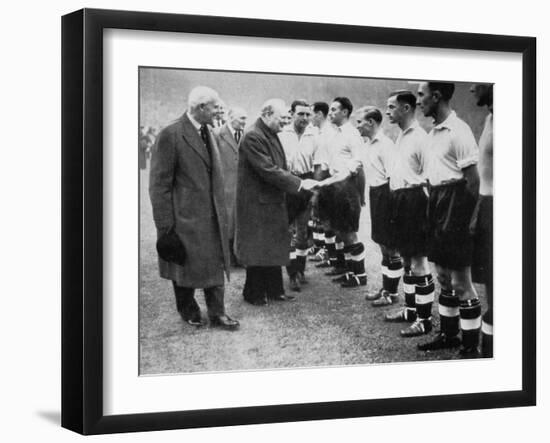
(202, 95)
(271, 105)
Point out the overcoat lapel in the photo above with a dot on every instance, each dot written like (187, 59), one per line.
(279, 152)
(226, 135)
(194, 140)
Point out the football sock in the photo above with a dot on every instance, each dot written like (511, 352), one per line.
(394, 273)
(330, 241)
(424, 298)
(357, 252)
(301, 255)
(340, 257)
(449, 313)
(410, 296)
(470, 322)
(292, 267)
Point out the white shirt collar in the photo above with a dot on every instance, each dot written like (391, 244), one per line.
(345, 126)
(195, 123)
(231, 129)
(412, 127)
(448, 122)
(376, 137)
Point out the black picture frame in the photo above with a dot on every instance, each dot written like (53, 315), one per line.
(82, 220)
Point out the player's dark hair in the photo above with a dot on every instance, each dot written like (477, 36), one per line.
(299, 102)
(320, 106)
(372, 112)
(345, 103)
(405, 97)
(445, 89)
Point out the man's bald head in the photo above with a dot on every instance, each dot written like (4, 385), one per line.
(272, 113)
(237, 118)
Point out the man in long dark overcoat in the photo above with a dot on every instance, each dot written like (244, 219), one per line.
(228, 138)
(187, 194)
(262, 236)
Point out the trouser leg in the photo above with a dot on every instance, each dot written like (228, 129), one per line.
(214, 297)
(185, 301)
(254, 286)
(273, 277)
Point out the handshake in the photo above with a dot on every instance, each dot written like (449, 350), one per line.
(309, 184)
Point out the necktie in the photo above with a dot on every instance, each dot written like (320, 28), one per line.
(238, 135)
(206, 139)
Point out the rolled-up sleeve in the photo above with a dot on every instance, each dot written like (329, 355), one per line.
(466, 149)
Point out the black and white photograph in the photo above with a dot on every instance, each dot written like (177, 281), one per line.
(293, 221)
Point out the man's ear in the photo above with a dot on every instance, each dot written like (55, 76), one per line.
(436, 96)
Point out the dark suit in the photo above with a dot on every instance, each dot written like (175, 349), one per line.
(187, 192)
(262, 237)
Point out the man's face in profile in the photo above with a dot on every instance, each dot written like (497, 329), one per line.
(336, 114)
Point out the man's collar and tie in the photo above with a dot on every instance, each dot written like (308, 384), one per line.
(238, 135)
(205, 135)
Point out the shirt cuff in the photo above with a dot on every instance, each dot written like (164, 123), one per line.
(464, 163)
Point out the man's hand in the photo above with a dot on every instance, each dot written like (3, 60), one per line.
(309, 184)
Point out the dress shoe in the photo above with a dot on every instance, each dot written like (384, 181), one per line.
(193, 319)
(294, 284)
(256, 302)
(418, 328)
(401, 316)
(282, 297)
(224, 322)
(441, 341)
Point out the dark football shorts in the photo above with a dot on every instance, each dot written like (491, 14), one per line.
(482, 230)
(380, 211)
(296, 204)
(450, 210)
(340, 205)
(409, 223)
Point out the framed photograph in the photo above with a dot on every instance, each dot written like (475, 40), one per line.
(306, 230)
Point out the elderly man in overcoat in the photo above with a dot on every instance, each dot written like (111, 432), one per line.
(187, 195)
(228, 138)
(262, 236)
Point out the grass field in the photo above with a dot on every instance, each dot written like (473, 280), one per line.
(324, 326)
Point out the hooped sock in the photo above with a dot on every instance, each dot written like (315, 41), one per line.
(470, 322)
(449, 312)
(394, 273)
(424, 298)
(410, 296)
